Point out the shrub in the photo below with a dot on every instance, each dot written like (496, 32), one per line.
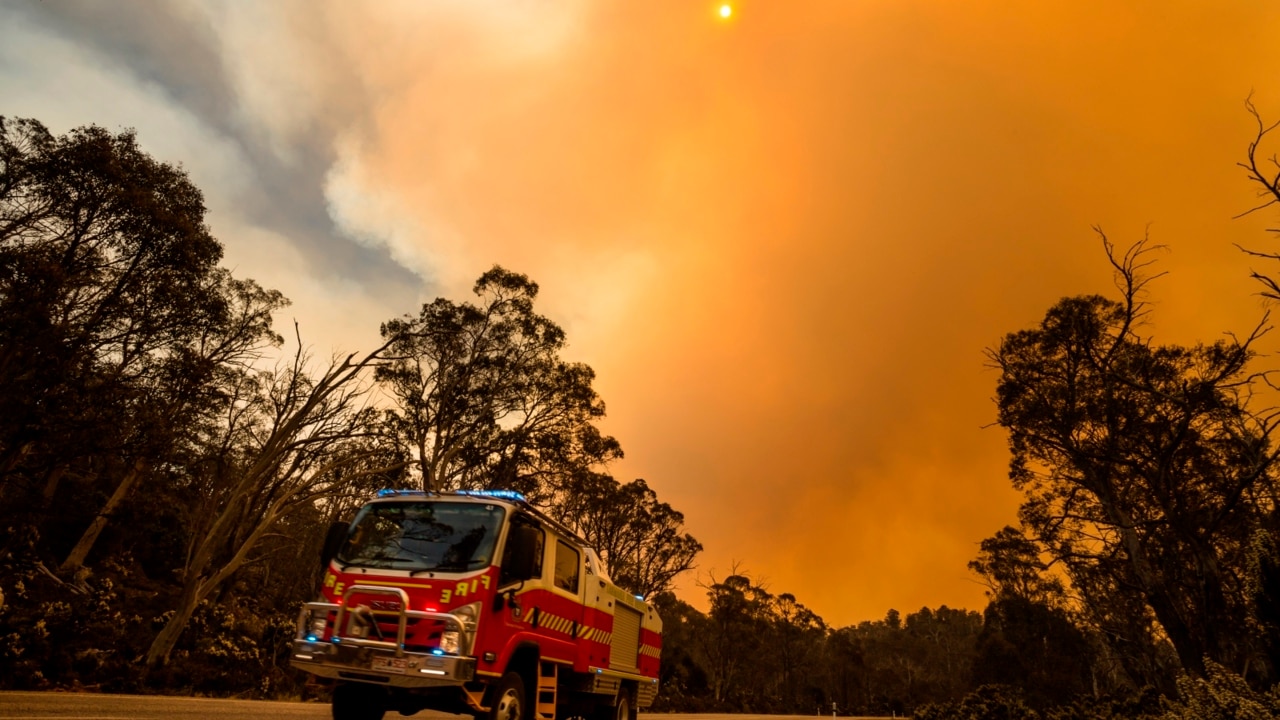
(1222, 695)
(989, 702)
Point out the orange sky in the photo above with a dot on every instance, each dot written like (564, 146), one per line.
(783, 241)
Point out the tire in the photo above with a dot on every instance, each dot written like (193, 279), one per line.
(627, 708)
(623, 709)
(359, 701)
(506, 699)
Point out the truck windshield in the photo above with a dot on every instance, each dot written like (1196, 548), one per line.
(420, 536)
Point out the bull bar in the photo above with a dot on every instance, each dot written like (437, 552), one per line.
(344, 656)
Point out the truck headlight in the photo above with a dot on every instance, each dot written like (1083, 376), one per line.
(469, 615)
(450, 642)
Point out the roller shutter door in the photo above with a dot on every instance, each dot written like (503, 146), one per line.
(625, 648)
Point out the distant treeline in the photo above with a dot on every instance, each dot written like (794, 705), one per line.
(167, 474)
(754, 652)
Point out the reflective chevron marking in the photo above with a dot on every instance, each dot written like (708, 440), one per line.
(555, 623)
(594, 634)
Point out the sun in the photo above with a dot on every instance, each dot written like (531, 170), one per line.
(725, 11)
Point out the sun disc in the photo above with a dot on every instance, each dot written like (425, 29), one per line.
(725, 11)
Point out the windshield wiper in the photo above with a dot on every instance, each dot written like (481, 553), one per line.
(460, 566)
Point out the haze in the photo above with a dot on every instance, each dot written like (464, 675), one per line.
(783, 239)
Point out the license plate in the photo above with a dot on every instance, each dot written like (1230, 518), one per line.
(390, 664)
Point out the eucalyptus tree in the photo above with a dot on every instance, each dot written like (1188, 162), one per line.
(1263, 170)
(1029, 637)
(290, 439)
(1009, 564)
(482, 397)
(798, 635)
(738, 622)
(116, 323)
(641, 540)
(1140, 462)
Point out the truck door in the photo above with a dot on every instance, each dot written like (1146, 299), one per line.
(541, 601)
(561, 611)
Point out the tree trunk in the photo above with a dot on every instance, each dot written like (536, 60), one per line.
(202, 577)
(52, 480)
(81, 551)
(158, 653)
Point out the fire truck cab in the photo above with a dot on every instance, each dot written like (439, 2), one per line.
(474, 602)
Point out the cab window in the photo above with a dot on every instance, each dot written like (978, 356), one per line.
(531, 534)
(568, 561)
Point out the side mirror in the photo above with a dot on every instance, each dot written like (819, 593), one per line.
(333, 543)
(524, 549)
(503, 598)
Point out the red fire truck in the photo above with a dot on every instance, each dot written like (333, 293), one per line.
(474, 602)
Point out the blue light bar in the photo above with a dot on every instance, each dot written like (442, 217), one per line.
(393, 492)
(499, 494)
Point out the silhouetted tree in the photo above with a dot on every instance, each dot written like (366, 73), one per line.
(186, 394)
(483, 398)
(1140, 462)
(640, 540)
(1263, 571)
(1032, 640)
(115, 323)
(737, 626)
(797, 637)
(682, 677)
(1035, 647)
(941, 645)
(291, 440)
(1010, 565)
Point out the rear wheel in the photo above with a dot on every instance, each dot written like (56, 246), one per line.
(359, 701)
(506, 701)
(632, 711)
(623, 708)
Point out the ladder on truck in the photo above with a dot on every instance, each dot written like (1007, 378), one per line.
(545, 701)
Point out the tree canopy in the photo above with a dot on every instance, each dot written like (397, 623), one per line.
(483, 399)
(1144, 469)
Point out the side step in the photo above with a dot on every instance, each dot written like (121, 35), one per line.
(545, 706)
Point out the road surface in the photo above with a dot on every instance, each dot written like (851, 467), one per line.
(89, 706)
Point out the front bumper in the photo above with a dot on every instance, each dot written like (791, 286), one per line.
(378, 665)
(345, 656)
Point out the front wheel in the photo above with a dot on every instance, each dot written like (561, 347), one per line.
(359, 701)
(506, 701)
